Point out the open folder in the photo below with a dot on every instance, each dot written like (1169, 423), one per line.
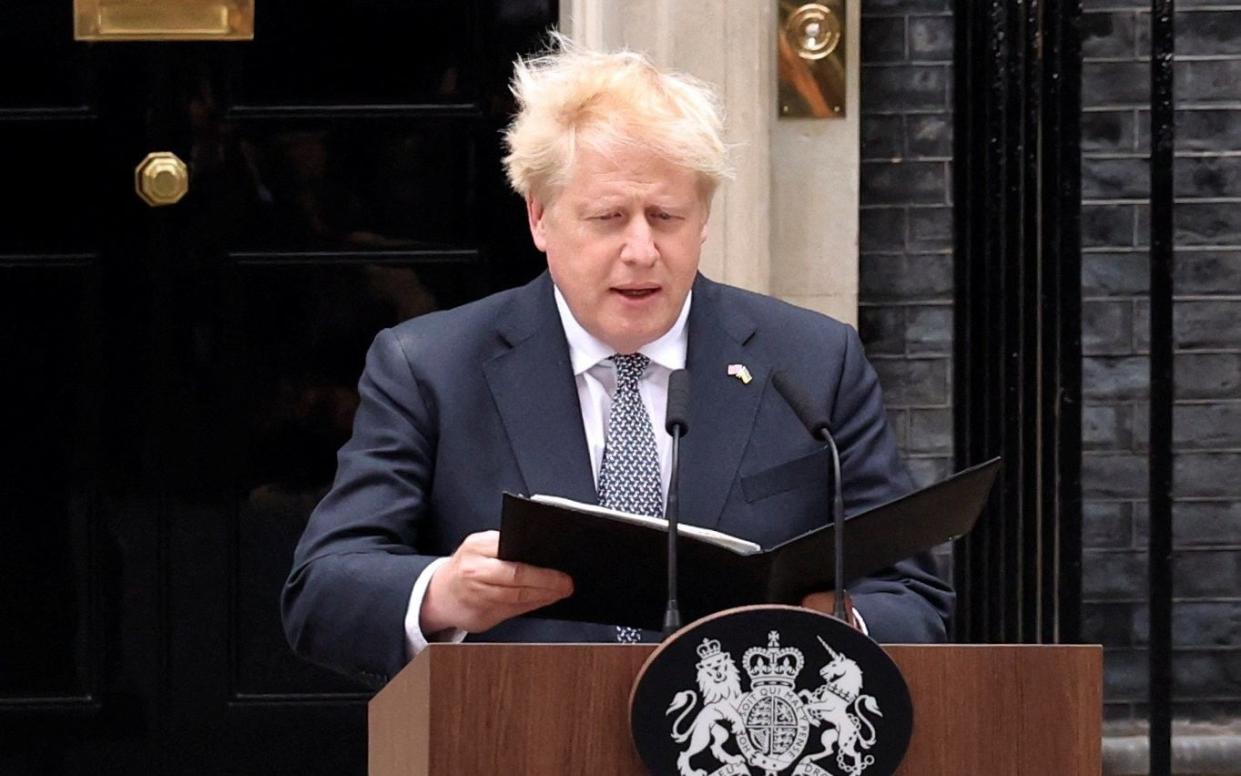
(619, 561)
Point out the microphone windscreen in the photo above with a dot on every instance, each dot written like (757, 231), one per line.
(678, 402)
(814, 418)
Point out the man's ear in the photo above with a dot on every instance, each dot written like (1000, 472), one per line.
(535, 214)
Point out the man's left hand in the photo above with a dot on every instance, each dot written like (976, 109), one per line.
(826, 602)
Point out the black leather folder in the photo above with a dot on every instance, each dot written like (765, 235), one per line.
(619, 568)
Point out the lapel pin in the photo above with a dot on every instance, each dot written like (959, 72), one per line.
(741, 373)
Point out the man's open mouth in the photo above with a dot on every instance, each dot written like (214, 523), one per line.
(635, 293)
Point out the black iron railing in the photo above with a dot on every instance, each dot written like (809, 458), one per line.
(1017, 360)
(1161, 381)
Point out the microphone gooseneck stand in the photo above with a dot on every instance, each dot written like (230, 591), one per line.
(819, 425)
(677, 426)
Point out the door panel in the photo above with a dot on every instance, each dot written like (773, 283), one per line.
(52, 174)
(378, 53)
(49, 500)
(32, 35)
(311, 184)
(179, 379)
(305, 329)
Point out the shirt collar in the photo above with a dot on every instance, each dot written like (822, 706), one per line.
(585, 350)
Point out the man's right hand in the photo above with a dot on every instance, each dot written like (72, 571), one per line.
(476, 591)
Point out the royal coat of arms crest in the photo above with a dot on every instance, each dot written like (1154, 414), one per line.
(771, 725)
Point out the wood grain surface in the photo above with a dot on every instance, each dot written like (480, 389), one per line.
(563, 709)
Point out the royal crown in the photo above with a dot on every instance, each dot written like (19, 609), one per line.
(710, 653)
(772, 664)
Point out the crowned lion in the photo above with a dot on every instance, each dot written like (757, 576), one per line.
(719, 683)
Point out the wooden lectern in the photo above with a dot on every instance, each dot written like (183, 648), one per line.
(564, 709)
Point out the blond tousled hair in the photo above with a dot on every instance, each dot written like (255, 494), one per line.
(572, 96)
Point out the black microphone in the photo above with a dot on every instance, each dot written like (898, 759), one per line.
(818, 423)
(677, 424)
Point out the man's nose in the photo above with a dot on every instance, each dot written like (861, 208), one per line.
(639, 247)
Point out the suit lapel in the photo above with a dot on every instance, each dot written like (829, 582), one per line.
(533, 387)
(723, 408)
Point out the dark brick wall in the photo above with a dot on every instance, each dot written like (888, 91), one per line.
(905, 304)
(906, 311)
(1207, 331)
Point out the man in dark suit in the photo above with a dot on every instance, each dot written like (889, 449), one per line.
(555, 388)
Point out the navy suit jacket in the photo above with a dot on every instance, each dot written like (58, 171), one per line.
(460, 405)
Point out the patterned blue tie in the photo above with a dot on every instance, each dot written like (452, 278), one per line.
(629, 476)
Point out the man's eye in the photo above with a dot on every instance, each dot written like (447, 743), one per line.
(662, 216)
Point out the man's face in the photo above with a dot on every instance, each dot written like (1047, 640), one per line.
(623, 239)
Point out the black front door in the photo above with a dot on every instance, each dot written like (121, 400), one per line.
(176, 380)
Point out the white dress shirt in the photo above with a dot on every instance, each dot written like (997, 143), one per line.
(596, 384)
(595, 376)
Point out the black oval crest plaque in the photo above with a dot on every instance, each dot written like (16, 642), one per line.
(770, 690)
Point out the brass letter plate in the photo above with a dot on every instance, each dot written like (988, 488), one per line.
(810, 45)
(103, 20)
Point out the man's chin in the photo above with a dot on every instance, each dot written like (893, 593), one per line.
(632, 340)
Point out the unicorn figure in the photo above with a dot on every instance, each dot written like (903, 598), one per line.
(839, 705)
